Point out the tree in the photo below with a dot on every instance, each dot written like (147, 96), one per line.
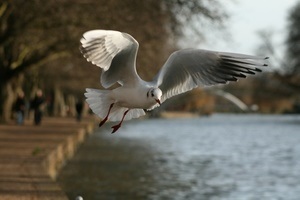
(287, 63)
(33, 33)
(292, 77)
(293, 40)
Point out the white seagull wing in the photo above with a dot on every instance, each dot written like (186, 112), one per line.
(189, 68)
(113, 51)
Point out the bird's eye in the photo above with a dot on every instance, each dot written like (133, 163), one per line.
(152, 95)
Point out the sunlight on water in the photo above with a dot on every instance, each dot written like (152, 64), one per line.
(219, 157)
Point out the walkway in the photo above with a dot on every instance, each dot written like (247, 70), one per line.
(30, 157)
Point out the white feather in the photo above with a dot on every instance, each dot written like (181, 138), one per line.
(100, 101)
(105, 46)
(115, 52)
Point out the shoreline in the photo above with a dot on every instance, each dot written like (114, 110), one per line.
(175, 114)
(31, 156)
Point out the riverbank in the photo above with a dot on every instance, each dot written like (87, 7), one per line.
(174, 115)
(31, 156)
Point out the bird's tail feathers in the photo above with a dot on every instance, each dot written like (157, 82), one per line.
(117, 113)
(99, 101)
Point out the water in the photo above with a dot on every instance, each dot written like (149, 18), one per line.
(223, 157)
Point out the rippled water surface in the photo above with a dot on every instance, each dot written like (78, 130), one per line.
(230, 157)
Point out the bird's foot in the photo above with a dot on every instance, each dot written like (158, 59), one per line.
(105, 119)
(115, 128)
(102, 122)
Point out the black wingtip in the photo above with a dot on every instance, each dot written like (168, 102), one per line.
(267, 57)
(232, 79)
(265, 65)
(258, 70)
(242, 75)
(251, 72)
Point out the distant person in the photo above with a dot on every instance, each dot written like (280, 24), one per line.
(37, 105)
(79, 108)
(19, 108)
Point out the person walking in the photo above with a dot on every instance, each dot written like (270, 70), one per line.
(79, 108)
(37, 105)
(20, 108)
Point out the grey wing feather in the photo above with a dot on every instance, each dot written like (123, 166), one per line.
(190, 68)
(113, 51)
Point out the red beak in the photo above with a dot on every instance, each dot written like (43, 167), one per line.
(158, 101)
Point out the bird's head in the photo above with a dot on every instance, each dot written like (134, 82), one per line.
(155, 94)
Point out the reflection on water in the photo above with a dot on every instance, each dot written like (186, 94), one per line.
(232, 157)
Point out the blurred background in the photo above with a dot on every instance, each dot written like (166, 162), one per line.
(228, 155)
(39, 49)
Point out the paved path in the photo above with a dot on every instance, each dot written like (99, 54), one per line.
(30, 157)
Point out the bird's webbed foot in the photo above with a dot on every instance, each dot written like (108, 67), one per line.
(115, 128)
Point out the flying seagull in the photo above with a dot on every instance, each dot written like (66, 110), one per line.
(115, 53)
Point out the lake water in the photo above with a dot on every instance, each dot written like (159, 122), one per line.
(222, 157)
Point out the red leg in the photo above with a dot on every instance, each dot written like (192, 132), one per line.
(105, 119)
(116, 127)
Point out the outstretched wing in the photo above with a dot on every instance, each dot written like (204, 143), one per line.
(113, 51)
(190, 68)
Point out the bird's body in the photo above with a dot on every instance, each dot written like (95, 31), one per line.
(115, 52)
(130, 97)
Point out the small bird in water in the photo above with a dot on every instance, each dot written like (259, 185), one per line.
(115, 53)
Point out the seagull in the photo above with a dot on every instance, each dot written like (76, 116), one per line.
(115, 53)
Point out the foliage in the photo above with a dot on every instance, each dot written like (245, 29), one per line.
(287, 64)
(293, 40)
(291, 77)
(39, 39)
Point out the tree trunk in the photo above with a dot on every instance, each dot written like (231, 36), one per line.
(71, 102)
(9, 88)
(59, 103)
(2, 99)
(6, 101)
